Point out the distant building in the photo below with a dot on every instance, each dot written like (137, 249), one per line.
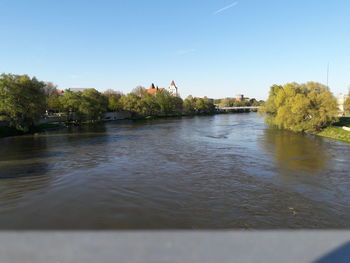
(60, 92)
(173, 89)
(341, 100)
(153, 89)
(77, 89)
(239, 97)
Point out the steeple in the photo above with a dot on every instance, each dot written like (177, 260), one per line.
(173, 89)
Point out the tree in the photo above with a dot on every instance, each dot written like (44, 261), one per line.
(164, 100)
(93, 104)
(110, 93)
(114, 104)
(113, 98)
(22, 100)
(205, 106)
(148, 104)
(225, 103)
(130, 103)
(189, 105)
(177, 104)
(70, 102)
(168, 104)
(52, 97)
(139, 91)
(54, 103)
(50, 89)
(306, 107)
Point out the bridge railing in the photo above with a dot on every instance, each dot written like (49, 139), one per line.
(239, 108)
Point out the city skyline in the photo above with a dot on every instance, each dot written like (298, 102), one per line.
(210, 48)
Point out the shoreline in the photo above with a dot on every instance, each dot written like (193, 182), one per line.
(336, 131)
(6, 131)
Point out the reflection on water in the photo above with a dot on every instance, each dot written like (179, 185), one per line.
(296, 152)
(224, 171)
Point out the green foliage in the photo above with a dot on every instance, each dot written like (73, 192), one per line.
(204, 106)
(144, 104)
(93, 104)
(166, 102)
(113, 98)
(306, 107)
(130, 103)
(22, 100)
(198, 105)
(335, 133)
(114, 104)
(225, 103)
(347, 106)
(87, 105)
(70, 102)
(54, 103)
(189, 105)
(148, 105)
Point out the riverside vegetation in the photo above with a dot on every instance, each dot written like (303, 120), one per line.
(309, 108)
(24, 100)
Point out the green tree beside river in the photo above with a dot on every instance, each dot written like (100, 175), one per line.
(308, 107)
(22, 100)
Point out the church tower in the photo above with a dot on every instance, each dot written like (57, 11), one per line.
(173, 89)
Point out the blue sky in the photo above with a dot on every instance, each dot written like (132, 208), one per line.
(214, 48)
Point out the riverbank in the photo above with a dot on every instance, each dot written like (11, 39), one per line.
(10, 131)
(336, 131)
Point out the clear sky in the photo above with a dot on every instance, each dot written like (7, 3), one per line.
(215, 48)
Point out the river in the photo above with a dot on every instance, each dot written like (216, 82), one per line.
(209, 172)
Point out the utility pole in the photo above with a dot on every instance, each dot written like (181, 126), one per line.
(327, 74)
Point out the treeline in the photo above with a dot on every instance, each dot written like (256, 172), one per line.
(24, 100)
(308, 107)
(90, 103)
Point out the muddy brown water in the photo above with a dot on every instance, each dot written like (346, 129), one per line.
(213, 172)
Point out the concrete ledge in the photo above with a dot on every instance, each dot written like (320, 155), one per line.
(175, 246)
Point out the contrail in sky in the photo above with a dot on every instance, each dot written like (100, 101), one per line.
(225, 8)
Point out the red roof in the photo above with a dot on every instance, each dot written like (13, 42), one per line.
(154, 90)
(172, 83)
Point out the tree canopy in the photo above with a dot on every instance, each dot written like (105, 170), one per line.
(306, 107)
(22, 100)
(87, 105)
(198, 105)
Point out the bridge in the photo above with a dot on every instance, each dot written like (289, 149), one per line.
(238, 109)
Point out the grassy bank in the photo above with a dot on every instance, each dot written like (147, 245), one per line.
(336, 131)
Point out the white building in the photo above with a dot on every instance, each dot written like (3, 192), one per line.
(341, 100)
(173, 89)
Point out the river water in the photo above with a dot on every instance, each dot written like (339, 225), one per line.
(212, 172)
